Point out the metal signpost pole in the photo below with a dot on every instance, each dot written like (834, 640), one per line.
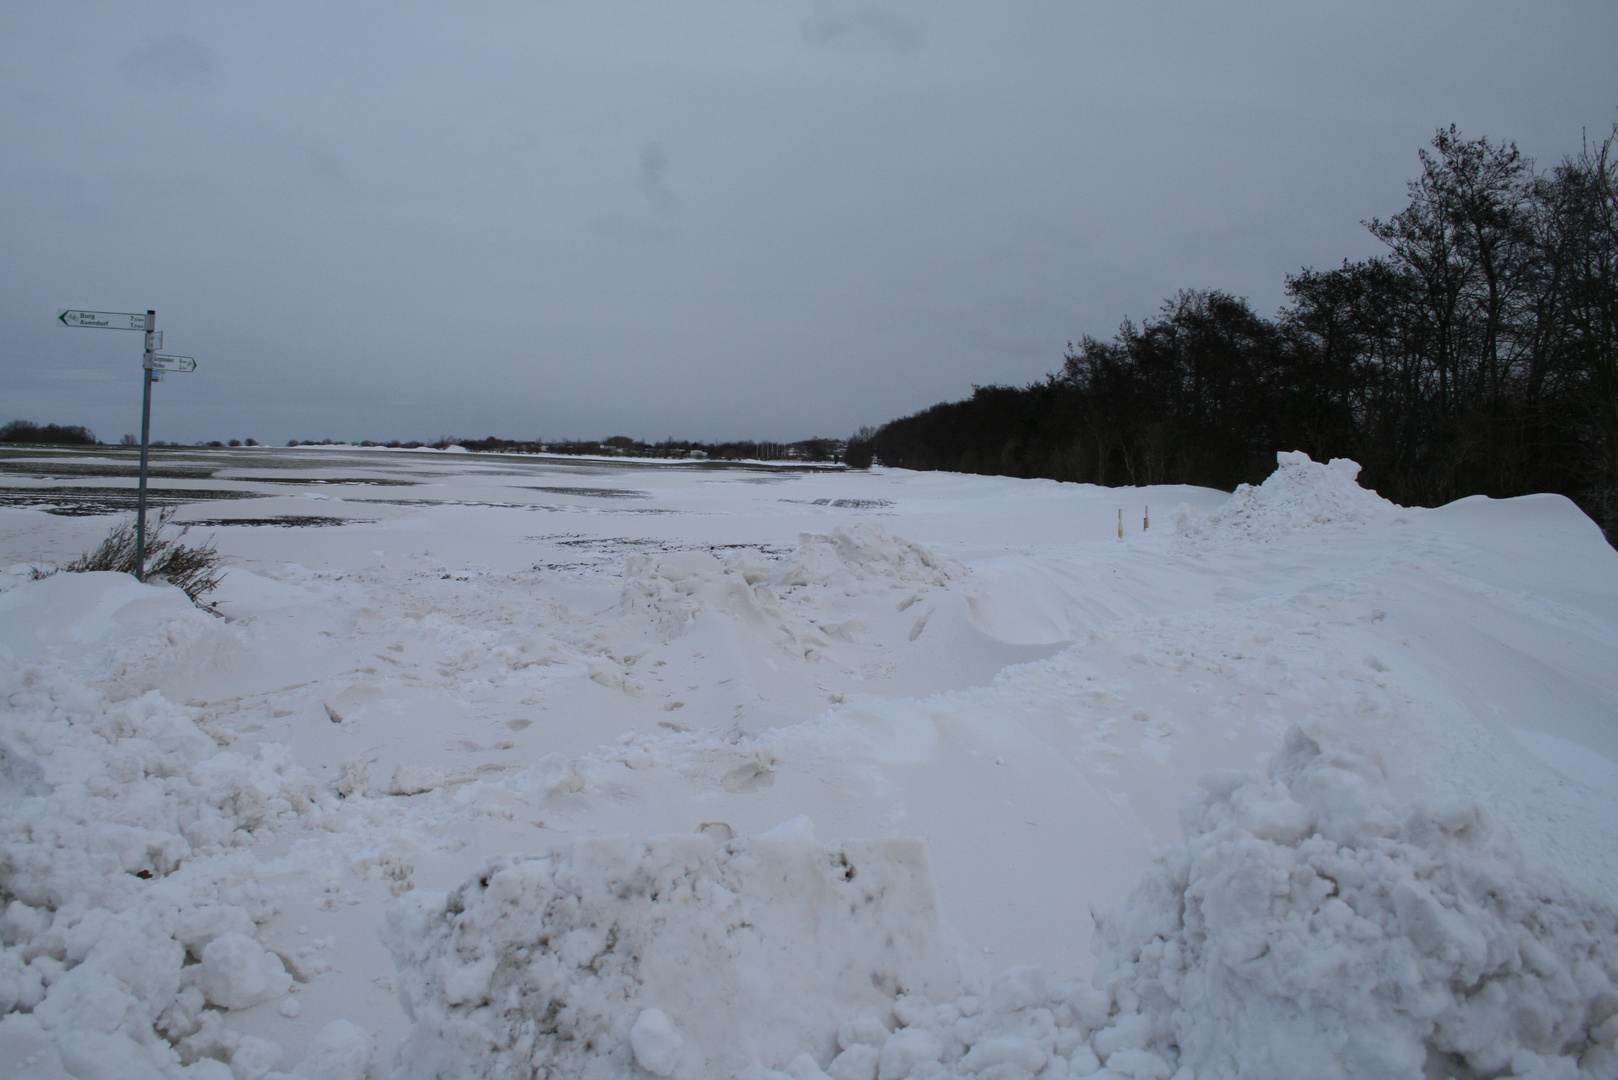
(151, 364)
(145, 442)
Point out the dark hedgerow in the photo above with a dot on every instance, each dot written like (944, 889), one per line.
(23, 431)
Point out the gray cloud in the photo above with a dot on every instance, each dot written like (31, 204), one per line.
(325, 173)
(170, 62)
(650, 180)
(862, 26)
(643, 232)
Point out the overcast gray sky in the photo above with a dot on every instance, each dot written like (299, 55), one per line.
(703, 220)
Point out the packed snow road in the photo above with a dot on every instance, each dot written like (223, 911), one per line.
(527, 767)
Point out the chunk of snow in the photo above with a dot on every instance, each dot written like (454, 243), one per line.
(342, 1051)
(238, 973)
(1381, 935)
(656, 1045)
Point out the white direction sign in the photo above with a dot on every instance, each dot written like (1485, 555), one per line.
(104, 320)
(162, 362)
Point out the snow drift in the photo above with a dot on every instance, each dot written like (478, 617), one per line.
(783, 602)
(1310, 924)
(131, 905)
(677, 954)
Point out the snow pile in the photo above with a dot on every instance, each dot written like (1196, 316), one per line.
(131, 906)
(1307, 926)
(1300, 494)
(124, 637)
(677, 954)
(1309, 919)
(669, 591)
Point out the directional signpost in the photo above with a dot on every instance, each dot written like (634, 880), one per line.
(152, 362)
(104, 320)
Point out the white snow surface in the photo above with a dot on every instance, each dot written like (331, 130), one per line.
(604, 770)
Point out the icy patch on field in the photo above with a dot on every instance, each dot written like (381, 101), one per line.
(677, 954)
(1300, 494)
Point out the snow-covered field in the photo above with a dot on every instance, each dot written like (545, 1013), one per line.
(598, 769)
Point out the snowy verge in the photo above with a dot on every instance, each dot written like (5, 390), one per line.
(1302, 493)
(112, 631)
(678, 955)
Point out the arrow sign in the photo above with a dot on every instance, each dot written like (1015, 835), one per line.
(104, 320)
(161, 362)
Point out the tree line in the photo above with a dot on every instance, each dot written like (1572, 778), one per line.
(26, 431)
(1478, 354)
(820, 450)
(815, 449)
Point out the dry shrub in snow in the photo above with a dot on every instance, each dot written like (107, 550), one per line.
(195, 570)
